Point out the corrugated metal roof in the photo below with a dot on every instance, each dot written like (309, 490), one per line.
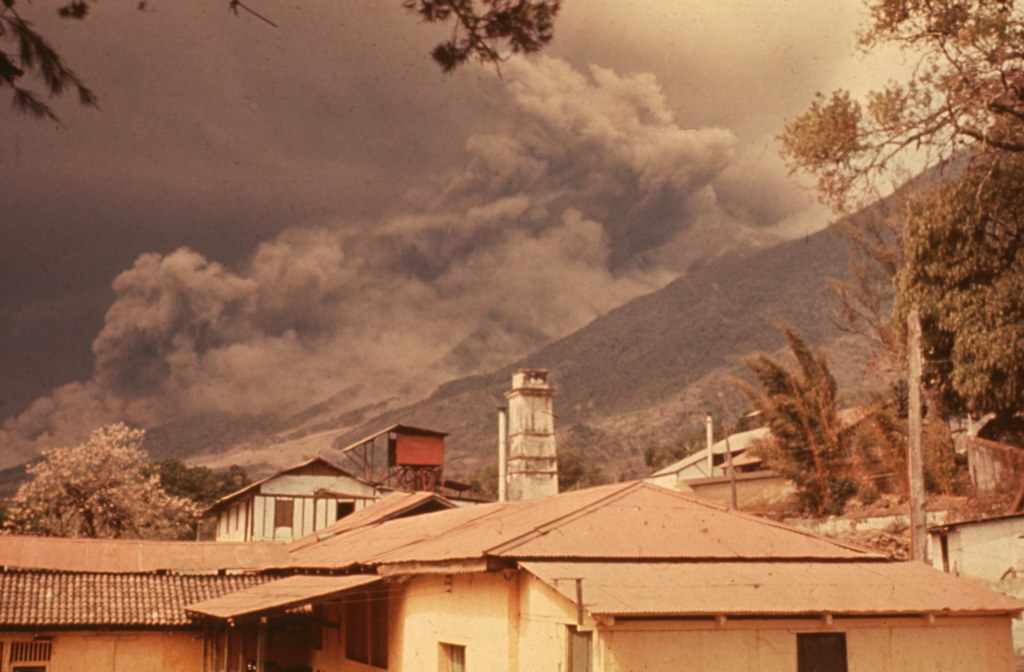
(292, 591)
(237, 494)
(624, 520)
(129, 600)
(134, 555)
(947, 527)
(769, 588)
(395, 505)
(737, 444)
(398, 429)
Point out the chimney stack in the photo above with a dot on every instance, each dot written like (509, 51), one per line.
(532, 467)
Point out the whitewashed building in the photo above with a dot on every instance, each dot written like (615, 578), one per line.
(290, 504)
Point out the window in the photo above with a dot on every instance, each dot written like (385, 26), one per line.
(343, 509)
(821, 652)
(30, 656)
(366, 628)
(284, 512)
(578, 651)
(453, 658)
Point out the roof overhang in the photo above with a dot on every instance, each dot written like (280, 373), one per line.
(288, 593)
(793, 589)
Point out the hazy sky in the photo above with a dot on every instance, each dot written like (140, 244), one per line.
(259, 218)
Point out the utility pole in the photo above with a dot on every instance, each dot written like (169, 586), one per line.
(732, 470)
(915, 458)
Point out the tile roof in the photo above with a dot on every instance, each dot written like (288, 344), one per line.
(284, 593)
(625, 520)
(773, 588)
(134, 555)
(35, 598)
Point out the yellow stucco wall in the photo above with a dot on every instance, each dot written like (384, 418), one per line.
(477, 611)
(141, 651)
(873, 645)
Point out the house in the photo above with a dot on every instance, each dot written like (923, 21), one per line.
(629, 576)
(757, 487)
(990, 550)
(87, 604)
(310, 496)
(290, 504)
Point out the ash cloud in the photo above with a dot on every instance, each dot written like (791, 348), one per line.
(585, 195)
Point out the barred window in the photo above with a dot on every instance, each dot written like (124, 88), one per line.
(30, 656)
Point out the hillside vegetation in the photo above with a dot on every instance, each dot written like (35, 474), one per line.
(645, 373)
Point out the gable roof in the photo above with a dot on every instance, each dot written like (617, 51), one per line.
(633, 520)
(772, 588)
(34, 598)
(737, 444)
(316, 463)
(137, 555)
(394, 505)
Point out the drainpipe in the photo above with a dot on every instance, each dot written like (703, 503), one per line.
(502, 454)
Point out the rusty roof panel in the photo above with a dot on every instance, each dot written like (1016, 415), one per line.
(453, 534)
(653, 522)
(124, 555)
(769, 588)
(286, 593)
(394, 505)
(34, 598)
(624, 520)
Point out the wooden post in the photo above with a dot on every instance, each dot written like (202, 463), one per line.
(261, 644)
(915, 457)
(206, 640)
(227, 645)
(241, 650)
(579, 602)
(732, 471)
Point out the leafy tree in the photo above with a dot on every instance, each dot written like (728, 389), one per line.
(658, 456)
(577, 469)
(484, 482)
(481, 30)
(967, 90)
(32, 55)
(809, 444)
(98, 489)
(964, 272)
(881, 445)
(202, 485)
(481, 26)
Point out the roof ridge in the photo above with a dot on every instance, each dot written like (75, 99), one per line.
(767, 521)
(554, 523)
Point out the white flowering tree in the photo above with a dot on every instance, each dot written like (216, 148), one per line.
(98, 489)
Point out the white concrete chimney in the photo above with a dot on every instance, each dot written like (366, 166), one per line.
(532, 464)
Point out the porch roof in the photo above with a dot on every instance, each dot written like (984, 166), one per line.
(286, 593)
